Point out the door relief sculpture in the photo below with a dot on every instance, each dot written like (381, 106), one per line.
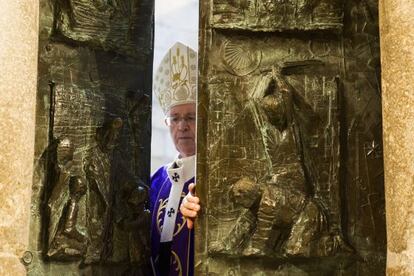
(90, 191)
(289, 139)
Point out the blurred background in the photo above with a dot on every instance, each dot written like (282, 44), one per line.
(175, 20)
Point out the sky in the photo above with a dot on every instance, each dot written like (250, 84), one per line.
(175, 20)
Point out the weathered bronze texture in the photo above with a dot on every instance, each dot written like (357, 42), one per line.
(282, 15)
(90, 191)
(289, 139)
(110, 25)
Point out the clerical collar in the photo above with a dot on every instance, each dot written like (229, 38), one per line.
(187, 164)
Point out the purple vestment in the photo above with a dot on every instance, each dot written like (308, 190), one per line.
(181, 254)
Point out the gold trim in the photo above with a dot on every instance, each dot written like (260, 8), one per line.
(158, 196)
(176, 260)
(161, 213)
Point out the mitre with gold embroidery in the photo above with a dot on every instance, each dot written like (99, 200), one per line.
(175, 80)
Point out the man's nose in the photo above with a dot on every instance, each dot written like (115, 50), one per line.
(182, 124)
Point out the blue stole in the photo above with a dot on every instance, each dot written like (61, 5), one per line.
(174, 258)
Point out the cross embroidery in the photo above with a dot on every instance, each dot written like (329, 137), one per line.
(170, 212)
(175, 177)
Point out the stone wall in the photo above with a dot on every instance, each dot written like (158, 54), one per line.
(397, 57)
(18, 72)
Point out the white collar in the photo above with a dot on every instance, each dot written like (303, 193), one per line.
(187, 164)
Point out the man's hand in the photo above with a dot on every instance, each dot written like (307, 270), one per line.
(190, 206)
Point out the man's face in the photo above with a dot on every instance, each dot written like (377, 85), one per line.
(181, 119)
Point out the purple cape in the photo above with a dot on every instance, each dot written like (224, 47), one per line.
(181, 254)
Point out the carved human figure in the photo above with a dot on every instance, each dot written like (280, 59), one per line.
(247, 194)
(137, 224)
(100, 196)
(65, 239)
(290, 187)
(275, 220)
(281, 215)
(77, 187)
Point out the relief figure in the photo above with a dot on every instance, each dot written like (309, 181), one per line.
(136, 224)
(99, 200)
(280, 216)
(97, 208)
(66, 240)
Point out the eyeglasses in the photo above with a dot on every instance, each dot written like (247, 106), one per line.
(175, 120)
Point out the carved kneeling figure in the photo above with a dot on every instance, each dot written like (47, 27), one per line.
(65, 240)
(277, 221)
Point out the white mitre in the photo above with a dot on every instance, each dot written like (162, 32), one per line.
(175, 81)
